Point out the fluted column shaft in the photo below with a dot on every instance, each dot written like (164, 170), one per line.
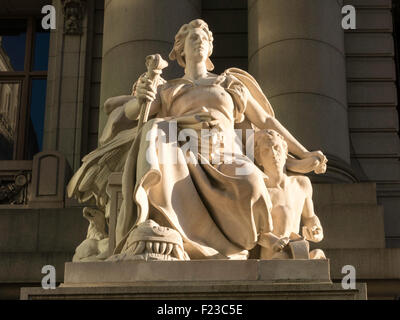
(296, 52)
(133, 30)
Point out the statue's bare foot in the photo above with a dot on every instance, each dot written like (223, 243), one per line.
(317, 254)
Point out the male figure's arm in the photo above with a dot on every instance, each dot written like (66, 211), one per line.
(312, 229)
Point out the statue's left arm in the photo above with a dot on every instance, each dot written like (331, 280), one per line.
(256, 114)
(258, 110)
(259, 117)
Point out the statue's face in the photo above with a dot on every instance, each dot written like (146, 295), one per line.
(197, 45)
(273, 154)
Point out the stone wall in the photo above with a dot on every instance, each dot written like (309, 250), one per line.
(33, 238)
(372, 100)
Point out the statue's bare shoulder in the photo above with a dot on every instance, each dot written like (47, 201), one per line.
(304, 183)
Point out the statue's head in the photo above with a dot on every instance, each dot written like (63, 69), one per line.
(270, 149)
(195, 39)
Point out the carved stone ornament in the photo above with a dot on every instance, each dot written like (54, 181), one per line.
(95, 246)
(13, 190)
(74, 11)
(150, 241)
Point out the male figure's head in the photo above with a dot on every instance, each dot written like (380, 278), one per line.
(270, 150)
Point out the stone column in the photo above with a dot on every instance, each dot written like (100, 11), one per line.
(296, 52)
(133, 30)
(68, 74)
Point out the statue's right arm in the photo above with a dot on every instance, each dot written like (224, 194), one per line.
(133, 106)
(114, 102)
(145, 91)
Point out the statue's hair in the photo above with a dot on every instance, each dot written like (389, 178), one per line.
(262, 137)
(179, 44)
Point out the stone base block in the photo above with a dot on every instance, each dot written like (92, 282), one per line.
(208, 290)
(198, 279)
(124, 272)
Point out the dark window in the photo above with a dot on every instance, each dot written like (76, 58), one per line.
(13, 44)
(24, 54)
(37, 106)
(41, 45)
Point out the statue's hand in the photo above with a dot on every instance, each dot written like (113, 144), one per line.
(314, 234)
(134, 88)
(145, 90)
(280, 244)
(320, 160)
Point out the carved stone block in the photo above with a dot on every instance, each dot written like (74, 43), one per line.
(114, 191)
(49, 173)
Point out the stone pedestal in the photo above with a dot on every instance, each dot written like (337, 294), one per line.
(198, 279)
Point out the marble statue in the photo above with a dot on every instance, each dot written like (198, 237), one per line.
(95, 246)
(291, 198)
(203, 188)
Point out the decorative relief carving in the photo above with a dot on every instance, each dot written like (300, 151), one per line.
(74, 11)
(150, 241)
(13, 189)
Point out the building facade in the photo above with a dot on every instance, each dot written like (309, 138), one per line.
(334, 89)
